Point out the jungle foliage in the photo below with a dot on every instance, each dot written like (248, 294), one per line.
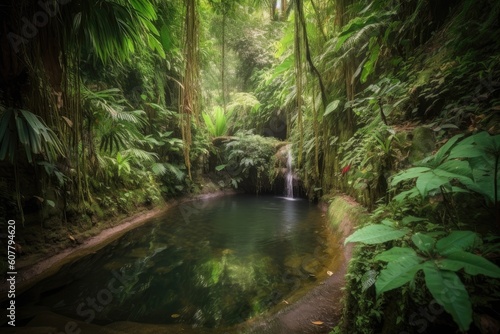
(108, 105)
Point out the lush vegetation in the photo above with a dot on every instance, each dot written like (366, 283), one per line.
(112, 105)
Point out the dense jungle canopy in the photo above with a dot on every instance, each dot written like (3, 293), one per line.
(108, 106)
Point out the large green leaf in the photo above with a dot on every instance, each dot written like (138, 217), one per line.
(396, 254)
(443, 151)
(482, 151)
(22, 126)
(465, 151)
(209, 123)
(424, 242)
(487, 143)
(376, 234)
(398, 272)
(114, 29)
(456, 241)
(449, 292)
(412, 193)
(412, 219)
(471, 263)
(220, 121)
(456, 169)
(410, 173)
(430, 181)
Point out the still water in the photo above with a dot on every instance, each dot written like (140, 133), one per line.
(206, 263)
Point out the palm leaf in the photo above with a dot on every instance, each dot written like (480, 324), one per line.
(24, 127)
(113, 30)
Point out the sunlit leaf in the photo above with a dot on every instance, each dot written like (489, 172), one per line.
(375, 234)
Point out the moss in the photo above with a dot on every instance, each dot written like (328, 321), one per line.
(343, 209)
(423, 143)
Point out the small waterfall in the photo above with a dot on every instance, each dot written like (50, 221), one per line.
(289, 174)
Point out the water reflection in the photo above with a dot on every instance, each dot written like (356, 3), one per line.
(233, 257)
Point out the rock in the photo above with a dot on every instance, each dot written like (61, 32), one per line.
(423, 143)
(310, 265)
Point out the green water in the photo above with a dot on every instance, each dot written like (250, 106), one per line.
(207, 263)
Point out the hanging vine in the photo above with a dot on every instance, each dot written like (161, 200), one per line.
(189, 93)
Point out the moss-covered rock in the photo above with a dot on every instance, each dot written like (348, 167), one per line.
(423, 143)
(344, 213)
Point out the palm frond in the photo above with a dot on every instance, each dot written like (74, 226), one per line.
(140, 156)
(114, 29)
(164, 168)
(24, 127)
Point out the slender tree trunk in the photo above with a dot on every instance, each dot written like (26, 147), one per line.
(189, 103)
(283, 9)
(223, 65)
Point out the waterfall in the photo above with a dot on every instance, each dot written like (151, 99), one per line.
(289, 175)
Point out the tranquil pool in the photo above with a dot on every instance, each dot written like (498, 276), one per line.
(206, 263)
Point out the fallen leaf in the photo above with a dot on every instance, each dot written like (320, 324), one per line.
(329, 273)
(284, 301)
(175, 315)
(71, 238)
(317, 323)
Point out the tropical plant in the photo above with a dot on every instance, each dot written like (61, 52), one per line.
(217, 122)
(249, 161)
(461, 165)
(114, 29)
(439, 259)
(18, 126)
